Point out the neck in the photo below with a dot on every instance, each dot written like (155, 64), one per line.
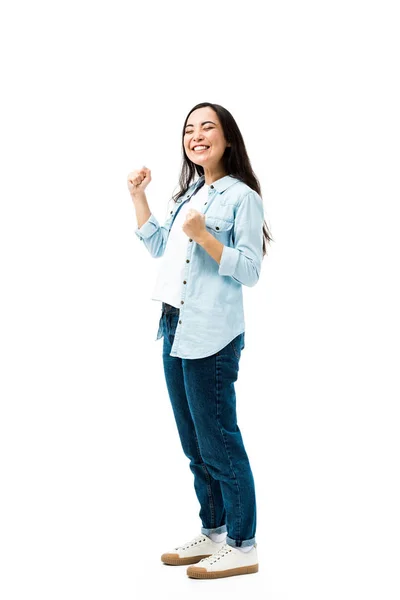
(211, 175)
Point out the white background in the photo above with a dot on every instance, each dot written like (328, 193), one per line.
(94, 483)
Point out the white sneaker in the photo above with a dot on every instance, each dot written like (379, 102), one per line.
(224, 563)
(198, 548)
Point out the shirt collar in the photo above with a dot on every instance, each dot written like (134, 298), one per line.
(220, 184)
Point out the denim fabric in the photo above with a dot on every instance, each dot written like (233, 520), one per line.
(211, 305)
(203, 399)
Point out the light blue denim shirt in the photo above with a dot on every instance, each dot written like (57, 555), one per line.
(211, 311)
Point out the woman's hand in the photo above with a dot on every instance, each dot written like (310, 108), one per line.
(138, 181)
(194, 225)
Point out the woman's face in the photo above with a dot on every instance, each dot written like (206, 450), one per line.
(203, 128)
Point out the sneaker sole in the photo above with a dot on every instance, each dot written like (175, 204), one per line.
(175, 559)
(202, 573)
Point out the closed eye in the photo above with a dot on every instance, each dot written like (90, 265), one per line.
(205, 129)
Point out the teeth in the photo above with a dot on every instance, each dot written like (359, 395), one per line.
(199, 148)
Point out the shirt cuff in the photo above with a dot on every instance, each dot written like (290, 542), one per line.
(148, 228)
(229, 260)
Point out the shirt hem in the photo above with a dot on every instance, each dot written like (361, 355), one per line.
(211, 353)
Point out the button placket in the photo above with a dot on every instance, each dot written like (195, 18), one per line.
(175, 345)
(184, 282)
(210, 198)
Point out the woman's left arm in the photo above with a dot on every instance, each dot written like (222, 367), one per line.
(243, 260)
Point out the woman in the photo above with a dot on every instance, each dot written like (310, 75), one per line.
(212, 243)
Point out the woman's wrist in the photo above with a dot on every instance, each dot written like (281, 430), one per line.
(138, 197)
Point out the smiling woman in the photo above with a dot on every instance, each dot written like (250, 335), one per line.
(211, 244)
(204, 142)
(212, 126)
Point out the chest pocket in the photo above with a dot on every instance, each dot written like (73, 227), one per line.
(219, 226)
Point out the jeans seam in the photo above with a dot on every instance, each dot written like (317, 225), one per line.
(209, 489)
(226, 446)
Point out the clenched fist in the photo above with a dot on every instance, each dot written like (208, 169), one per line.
(194, 225)
(138, 181)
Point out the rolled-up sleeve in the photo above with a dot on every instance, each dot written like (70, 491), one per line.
(242, 261)
(153, 235)
(148, 228)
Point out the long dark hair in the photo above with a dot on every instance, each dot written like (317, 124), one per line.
(235, 160)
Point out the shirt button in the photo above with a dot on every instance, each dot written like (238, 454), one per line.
(187, 260)
(180, 321)
(212, 187)
(205, 203)
(184, 282)
(172, 212)
(216, 227)
(190, 240)
(181, 301)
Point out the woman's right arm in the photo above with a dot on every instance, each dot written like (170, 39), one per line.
(149, 230)
(141, 207)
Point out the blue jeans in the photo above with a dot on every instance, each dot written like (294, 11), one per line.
(203, 399)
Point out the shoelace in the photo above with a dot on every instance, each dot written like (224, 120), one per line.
(193, 542)
(217, 555)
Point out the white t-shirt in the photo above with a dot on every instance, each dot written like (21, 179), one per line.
(172, 263)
